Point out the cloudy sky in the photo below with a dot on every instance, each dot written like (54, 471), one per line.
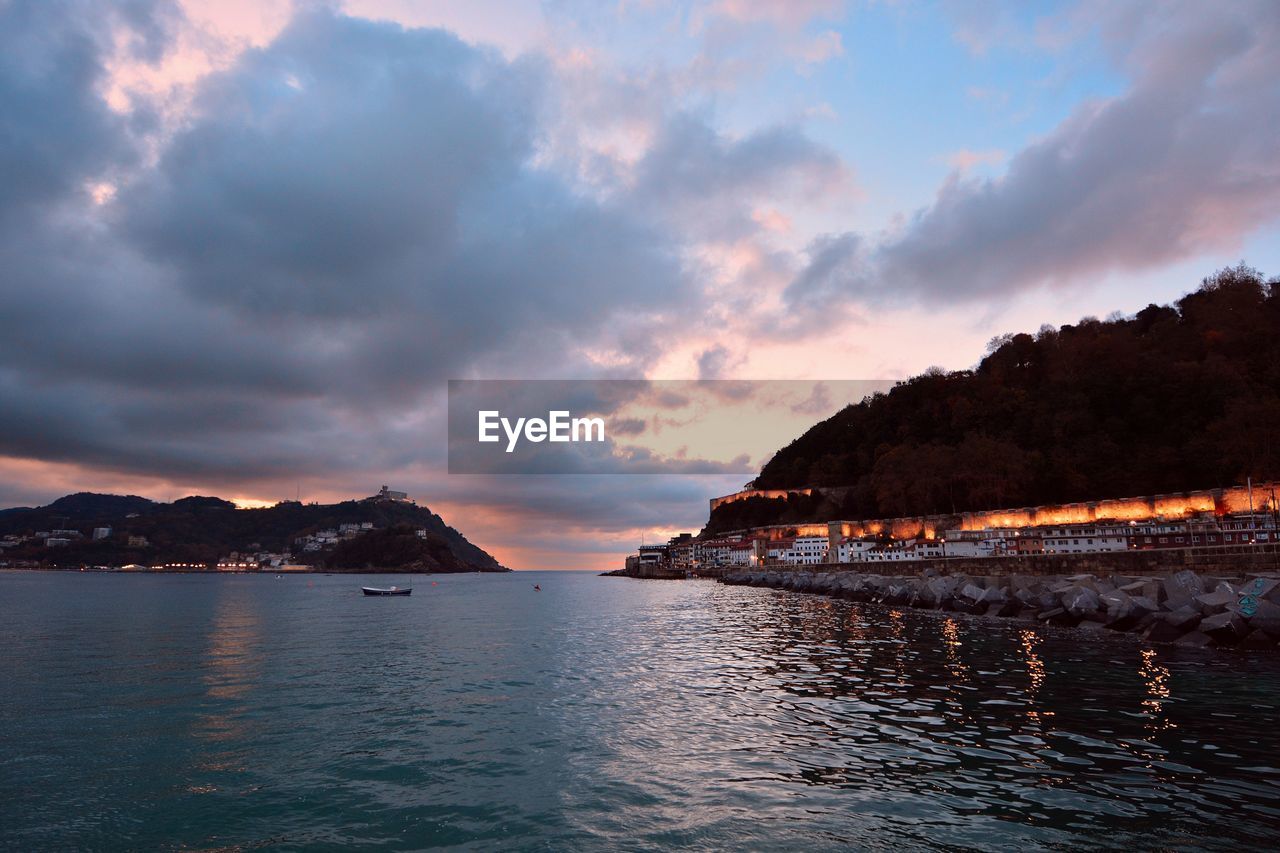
(246, 243)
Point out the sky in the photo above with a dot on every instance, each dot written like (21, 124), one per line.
(246, 244)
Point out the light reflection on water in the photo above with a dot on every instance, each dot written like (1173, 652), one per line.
(1036, 673)
(167, 712)
(1156, 677)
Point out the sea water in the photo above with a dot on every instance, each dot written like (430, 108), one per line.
(249, 712)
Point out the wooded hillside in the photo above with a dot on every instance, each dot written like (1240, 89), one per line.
(1176, 397)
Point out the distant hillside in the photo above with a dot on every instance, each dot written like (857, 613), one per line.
(203, 529)
(395, 548)
(1177, 397)
(88, 505)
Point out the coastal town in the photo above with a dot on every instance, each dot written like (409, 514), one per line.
(37, 547)
(1245, 516)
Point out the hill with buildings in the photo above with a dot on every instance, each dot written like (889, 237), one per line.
(1176, 397)
(386, 532)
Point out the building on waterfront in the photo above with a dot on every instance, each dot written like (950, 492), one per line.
(680, 552)
(796, 551)
(775, 549)
(716, 553)
(904, 550)
(672, 559)
(1084, 539)
(652, 555)
(798, 545)
(807, 550)
(971, 543)
(1238, 516)
(928, 549)
(851, 549)
(101, 533)
(1026, 542)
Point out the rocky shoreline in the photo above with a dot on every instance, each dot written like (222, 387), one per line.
(1183, 608)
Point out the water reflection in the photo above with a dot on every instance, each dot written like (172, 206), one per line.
(233, 663)
(951, 646)
(604, 714)
(1156, 678)
(1035, 674)
(962, 714)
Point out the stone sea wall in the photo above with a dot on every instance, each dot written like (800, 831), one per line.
(1184, 607)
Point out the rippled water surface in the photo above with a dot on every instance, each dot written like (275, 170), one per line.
(180, 712)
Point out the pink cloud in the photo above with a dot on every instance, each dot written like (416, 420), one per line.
(825, 46)
(964, 159)
(789, 13)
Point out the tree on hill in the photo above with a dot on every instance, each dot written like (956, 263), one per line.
(1176, 397)
(394, 548)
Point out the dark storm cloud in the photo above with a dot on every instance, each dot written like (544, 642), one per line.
(1183, 162)
(79, 307)
(375, 180)
(347, 218)
(343, 219)
(55, 130)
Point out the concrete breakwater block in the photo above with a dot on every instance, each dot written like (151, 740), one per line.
(1225, 629)
(1183, 608)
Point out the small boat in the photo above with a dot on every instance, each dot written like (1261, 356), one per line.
(386, 590)
(538, 588)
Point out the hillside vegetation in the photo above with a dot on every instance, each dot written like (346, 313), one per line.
(203, 529)
(1176, 397)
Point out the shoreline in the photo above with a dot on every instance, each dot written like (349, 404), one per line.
(87, 570)
(1181, 608)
